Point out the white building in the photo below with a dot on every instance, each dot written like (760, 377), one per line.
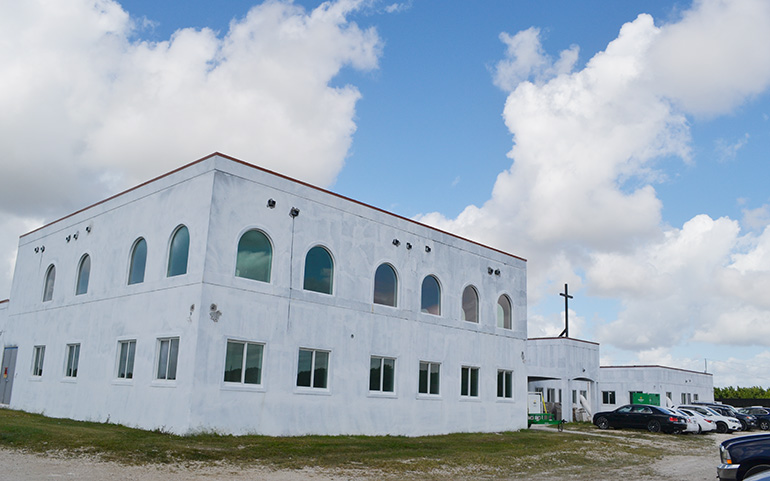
(574, 386)
(566, 371)
(224, 297)
(673, 386)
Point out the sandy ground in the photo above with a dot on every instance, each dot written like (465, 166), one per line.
(19, 466)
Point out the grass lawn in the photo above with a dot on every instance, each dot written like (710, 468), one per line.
(526, 452)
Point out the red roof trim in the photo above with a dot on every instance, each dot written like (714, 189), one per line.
(655, 366)
(233, 159)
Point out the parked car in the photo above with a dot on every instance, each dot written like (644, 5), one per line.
(725, 424)
(705, 425)
(762, 414)
(748, 422)
(642, 416)
(743, 457)
(692, 423)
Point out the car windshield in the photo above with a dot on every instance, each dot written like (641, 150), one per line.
(667, 410)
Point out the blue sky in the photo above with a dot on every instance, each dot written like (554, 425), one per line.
(621, 147)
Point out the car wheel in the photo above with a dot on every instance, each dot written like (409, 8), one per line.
(603, 423)
(764, 424)
(721, 427)
(700, 429)
(653, 426)
(760, 468)
(744, 426)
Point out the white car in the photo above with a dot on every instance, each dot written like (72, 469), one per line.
(692, 423)
(724, 424)
(705, 424)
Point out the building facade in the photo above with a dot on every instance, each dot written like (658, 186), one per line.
(673, 386)
(223, 297)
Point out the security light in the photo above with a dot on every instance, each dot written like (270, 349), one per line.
(396, 242)
(271, 203)
(294, 212)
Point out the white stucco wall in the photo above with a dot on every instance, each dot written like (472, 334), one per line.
(566, 365)
(654, 380)
(219, 199)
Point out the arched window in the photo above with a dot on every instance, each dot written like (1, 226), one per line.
(138, 262)
(84, 272)
(178, 252)
(470, 304)
(431, 296)
(255, 255)
(50, 278)
(504, 312)
(319, 270)
(385, 285)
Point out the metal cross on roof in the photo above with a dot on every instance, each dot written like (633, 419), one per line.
(567, 297)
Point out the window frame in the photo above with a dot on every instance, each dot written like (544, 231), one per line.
(380, 390)
(270, 246)
(311, 386)
(242, 383)
(423, 309)
(172, 249)
(78, 284)
(71, 360)
(509, 318)
(429, 378)
(305, 271)
(469, 382)
(463, 316)
(394, 293)
(38, 360)
(131, 261)
(505, 384)
(172, 340)
(609, 397)
(49, 283)
(128, 374)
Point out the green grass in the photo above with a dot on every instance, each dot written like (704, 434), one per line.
(489, 455)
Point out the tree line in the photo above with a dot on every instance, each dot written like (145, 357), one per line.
(729, 392)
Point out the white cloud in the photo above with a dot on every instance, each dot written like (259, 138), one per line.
(88, 108)
(579, 200)
(727, 151)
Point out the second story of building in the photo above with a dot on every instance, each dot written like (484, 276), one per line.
(223, 222)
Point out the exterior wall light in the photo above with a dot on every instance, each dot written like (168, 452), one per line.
(271, 203)
(396, 242)
(427, 249)
(408, 246)
(497, 272)
(67, 238)
(294, 212)
(490, 270)
(88, 229)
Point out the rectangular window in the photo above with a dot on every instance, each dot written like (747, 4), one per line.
(505, 384)
(312, 368)
(126, 352)
(670, 397)
(429, 377)
(37, 362)
(382, 374)
(684, 398)
(574, 397)
(469, 381)
(168, 351)
(73, 356)
(608, 397)
(243, 362)
(695, 397)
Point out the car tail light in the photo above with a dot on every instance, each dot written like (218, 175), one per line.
(675, 419)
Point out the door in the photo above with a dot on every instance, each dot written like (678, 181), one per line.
(6, 376)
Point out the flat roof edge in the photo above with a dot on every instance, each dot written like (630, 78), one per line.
(655, 366)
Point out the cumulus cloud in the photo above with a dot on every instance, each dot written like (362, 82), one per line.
(579, 199)
(89, 107)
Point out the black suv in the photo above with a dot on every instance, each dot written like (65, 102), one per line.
(748, 421)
